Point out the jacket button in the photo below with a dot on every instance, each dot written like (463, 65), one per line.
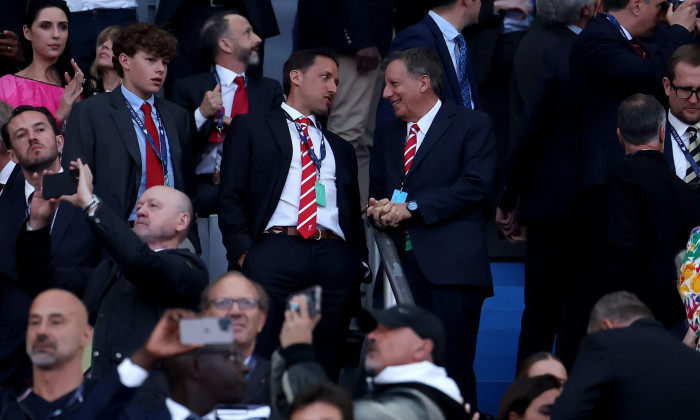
(118, 355)
(95, 353)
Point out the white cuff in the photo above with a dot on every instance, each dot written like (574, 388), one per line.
(199, 119)
(131, 375)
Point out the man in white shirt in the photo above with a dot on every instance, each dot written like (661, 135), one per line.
(216, 96)
(681, 86)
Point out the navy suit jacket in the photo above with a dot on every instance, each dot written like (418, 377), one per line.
(608, 70)
(451, 179)
(256, 159)
(426, 34)
(264, 95)
(73, 245)
(101, 133)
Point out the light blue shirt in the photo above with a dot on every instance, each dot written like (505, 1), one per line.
(512, 21)
(136, 103)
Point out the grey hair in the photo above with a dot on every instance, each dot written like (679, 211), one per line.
(621, 307)
(561, 11)
(420, 62)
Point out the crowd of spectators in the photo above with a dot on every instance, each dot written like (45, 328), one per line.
(573, 122)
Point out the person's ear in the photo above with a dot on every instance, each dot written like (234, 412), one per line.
(224, 45)
(662, 134)
(607, 325)
(27, 33)
(296, 77)
(424, 81)
(13, 156)
(619, 137)
(60, 141)
(124, 61)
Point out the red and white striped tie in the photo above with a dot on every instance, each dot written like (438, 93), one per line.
(411, 146)
(306, 224)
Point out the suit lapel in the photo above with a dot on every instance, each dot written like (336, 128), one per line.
(668, 147)
(277, 123)
(125, 128)
(440, 124)
(64, 218)
(253, 88)
(445, 57)
(173, 139)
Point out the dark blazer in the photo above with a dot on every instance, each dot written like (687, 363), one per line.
(101, 133)
(451, 179)
(73, 245)
(257, 155)
(259, 12)
(426, 34)
(650, 213)
(668, 147)
(345, 26)
(608, 70)
(102, 399)
(258, 391)
(637, 372)
(136, 412)
(544, 164)
(264, 95)
(126, 295)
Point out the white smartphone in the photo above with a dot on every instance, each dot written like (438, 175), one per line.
(209, 330)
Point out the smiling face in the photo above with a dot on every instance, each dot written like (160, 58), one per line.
(687, 77)
(48, 33)
(35, 146)
(144, 73)
(404, 91)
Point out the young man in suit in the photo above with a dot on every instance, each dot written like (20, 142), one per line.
(235, 296)
(629, 367)
(57, 335)
(289, 190)
(32, 139)
(130, 149)
(433, 200)
(146, 274)
(680, 85)
(225, 91)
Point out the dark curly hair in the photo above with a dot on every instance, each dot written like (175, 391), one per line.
(143, 37)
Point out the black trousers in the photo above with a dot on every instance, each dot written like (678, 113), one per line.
(86, 26)
(459, 309)
(287, 264)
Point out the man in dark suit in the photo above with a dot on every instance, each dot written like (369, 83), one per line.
(444, 22)
(246, 303)
(434, 200)
(680, 84)
(146, 274)
(226, 90)
(629, 367)
(131, 150)
(543, 170)
(289, 190)
(650, 212)
(185, 19)
(33, 141)
(7, 165)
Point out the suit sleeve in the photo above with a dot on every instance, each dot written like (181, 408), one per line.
(235, 167)
(590, 376)
(474, 186)
(277, 95)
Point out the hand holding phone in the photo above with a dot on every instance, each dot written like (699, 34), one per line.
(313, 300)
(210, 330)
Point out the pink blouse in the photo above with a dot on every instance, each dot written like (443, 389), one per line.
(18, 91)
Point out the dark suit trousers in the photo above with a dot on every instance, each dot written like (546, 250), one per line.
(86, 26)
(459, 309)
(546, 262)
(287, 264)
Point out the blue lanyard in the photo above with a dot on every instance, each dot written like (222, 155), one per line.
(163, 154)
(252, 364)
(317, 162)
(220, 113)
(686, 152)
(614, 21)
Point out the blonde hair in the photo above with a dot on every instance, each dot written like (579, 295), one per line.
(110, 32)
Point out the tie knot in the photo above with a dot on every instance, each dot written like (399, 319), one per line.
(459, 40)
(239, 81)
(414, 129)
(146, 108)
(692, 131)
(304, 122)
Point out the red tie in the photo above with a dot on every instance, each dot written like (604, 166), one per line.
(411, 145)
(306, 224)
(639, 48)
(239, 106)
(154, 169)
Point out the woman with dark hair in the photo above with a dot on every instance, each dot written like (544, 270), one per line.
(47, 80)
(541, 363)
(105, 76)
(529, 398)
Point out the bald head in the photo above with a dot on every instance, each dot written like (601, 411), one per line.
(163, 217)
(58, 329)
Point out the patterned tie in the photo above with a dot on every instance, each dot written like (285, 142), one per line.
(463, 79)
(639, 48)
(411, 145)
(239, 106)
(694, 149)
(154, 169)
(306, 224)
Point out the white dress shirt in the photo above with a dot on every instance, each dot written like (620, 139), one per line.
(180, 412)
(287, 211)
(5, 174)
(228, 91)
(424, 124)
(85, 5)
(680, 163)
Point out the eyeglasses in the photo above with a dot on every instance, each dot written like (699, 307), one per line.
(244, 304)
(685, 92)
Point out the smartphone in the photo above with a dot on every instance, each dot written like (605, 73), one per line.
(56, 185)
(210, 330)
(313, 299)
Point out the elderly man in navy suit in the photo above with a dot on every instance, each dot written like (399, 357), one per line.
(431, 176)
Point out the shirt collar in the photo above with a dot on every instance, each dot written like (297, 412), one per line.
(6, 171)
(226, 76)
(134, 100)
(575, 29)
(29, 189)
(448, 31)
(177, 410)
(427, 120)
(677, 124)
(296, 114)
